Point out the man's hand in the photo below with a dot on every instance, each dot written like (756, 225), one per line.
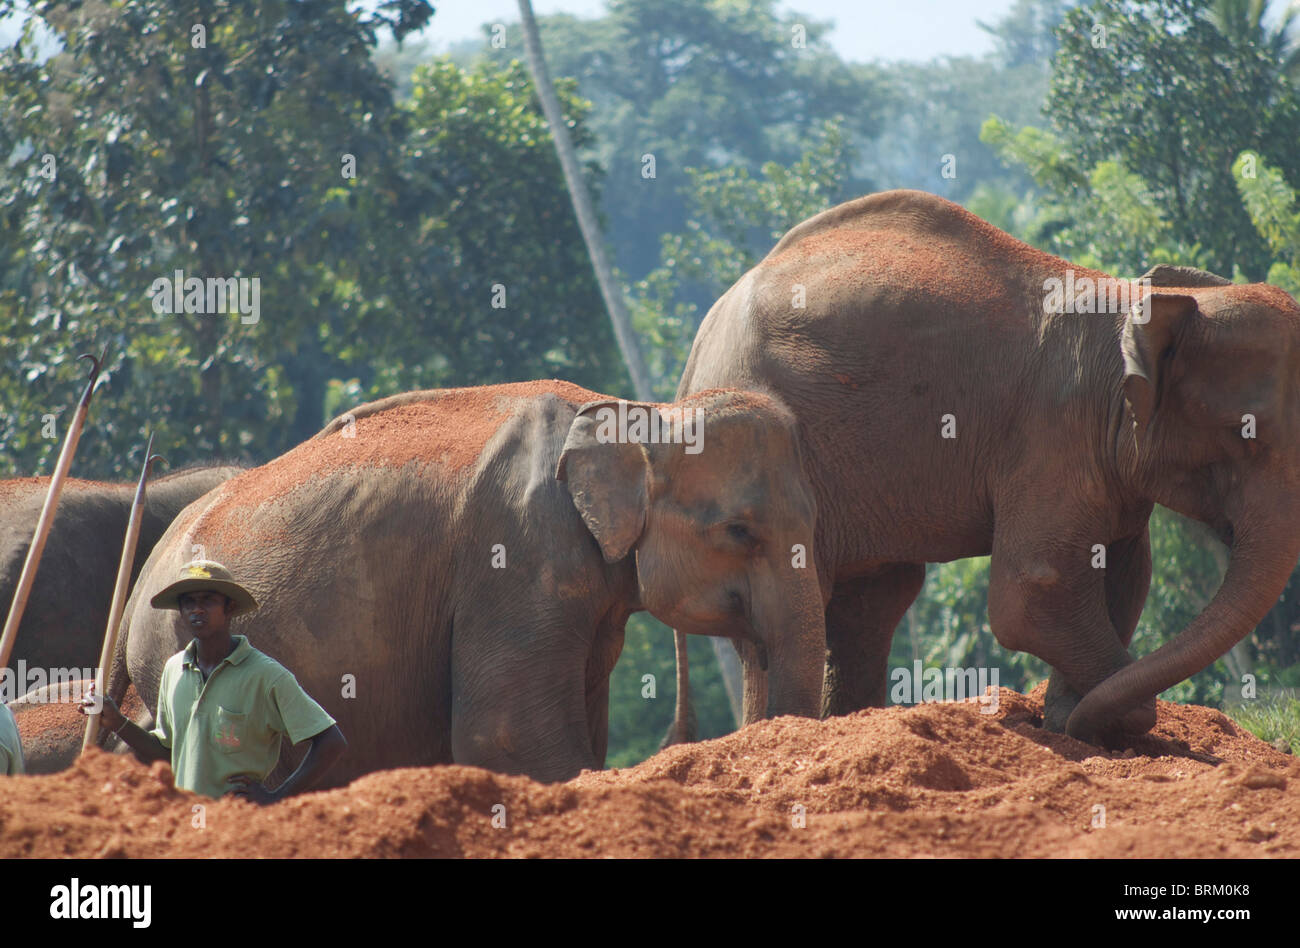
(109, 716)
(251, 790)
(147, 747)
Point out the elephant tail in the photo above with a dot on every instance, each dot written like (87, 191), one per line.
(683, 730)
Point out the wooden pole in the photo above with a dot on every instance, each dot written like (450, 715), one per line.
(119, 595)
(47, 512)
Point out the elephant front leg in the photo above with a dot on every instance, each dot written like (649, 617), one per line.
(860, 622)
(1127, 582)
(600, 665)
(1052, 603)
(520, 702)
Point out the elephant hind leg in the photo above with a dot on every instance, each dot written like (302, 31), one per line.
(860, 622)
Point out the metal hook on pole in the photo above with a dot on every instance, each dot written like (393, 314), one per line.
(46, 520)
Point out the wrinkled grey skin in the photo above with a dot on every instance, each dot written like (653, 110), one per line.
(385, 571)
(67, 609)
(1069, 427)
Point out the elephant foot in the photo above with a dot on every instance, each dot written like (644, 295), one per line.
(1058, 703)
(846, 694)
(1061, 700)
(1119, 732)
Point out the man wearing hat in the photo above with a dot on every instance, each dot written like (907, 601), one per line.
(223, 705)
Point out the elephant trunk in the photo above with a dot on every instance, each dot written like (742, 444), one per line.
(792, 633)
(755, 697)
(1261, 562)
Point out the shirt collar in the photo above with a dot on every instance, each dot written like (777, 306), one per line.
(241, 652)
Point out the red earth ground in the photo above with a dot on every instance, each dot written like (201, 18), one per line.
(933, 780)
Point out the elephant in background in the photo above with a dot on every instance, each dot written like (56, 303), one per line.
(67, 610)
(955, 399)
(52, 726)
(449, 572)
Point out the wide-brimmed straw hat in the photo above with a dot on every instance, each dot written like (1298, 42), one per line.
(202, 576)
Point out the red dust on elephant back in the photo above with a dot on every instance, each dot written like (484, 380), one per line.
(449, 428)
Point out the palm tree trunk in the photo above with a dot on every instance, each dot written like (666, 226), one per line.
(609, 288)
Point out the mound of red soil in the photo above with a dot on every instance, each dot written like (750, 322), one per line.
(934, 780)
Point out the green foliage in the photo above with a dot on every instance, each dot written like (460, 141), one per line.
(948, 627)
(1026, 35)
(935, 110)
(164, 153)
(1271, 204)
(1104, 217)
(1270, 719)
(490, 208)
(638, 723)
(1273, 31)
(734, 219)
(1173, 98)
(229, 159)
(698, 84)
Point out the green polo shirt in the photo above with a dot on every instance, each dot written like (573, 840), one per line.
(11, 746)
(232, 723)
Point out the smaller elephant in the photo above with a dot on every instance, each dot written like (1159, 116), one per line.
(52, 726)
(67, 609)
(449, 573)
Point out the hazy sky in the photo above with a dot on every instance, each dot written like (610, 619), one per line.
(864, 29)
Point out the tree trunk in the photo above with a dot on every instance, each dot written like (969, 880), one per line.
(609, 289)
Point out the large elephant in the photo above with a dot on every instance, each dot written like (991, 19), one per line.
(449, 572)
(960, 393)
(67, 609)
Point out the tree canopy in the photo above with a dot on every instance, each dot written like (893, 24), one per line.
(261, 142)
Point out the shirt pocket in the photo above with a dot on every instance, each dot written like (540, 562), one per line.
(230, 730)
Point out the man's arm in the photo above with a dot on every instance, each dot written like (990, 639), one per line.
(326, 748)
(144, 743)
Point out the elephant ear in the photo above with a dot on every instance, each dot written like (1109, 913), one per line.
(606, 478)
(1151, 330)
(1162, 274)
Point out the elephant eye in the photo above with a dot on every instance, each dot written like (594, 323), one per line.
(741, 534)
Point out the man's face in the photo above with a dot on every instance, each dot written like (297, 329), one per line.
(206, 613)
